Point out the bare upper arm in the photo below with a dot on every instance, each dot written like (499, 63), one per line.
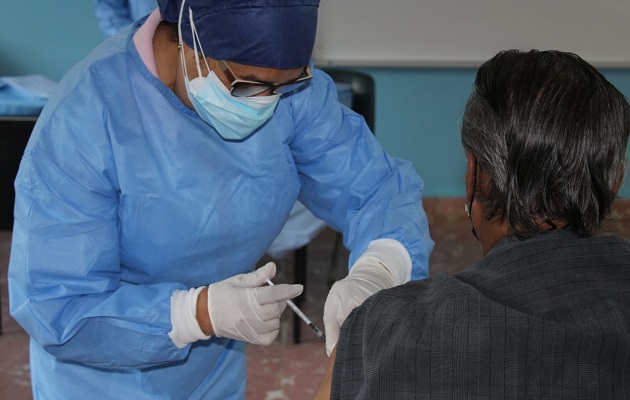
(324, 388)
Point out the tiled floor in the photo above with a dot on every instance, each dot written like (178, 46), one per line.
(283, 370)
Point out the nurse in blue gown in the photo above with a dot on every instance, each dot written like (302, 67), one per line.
(157, 176)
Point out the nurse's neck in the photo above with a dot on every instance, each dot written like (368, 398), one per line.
(166, 53)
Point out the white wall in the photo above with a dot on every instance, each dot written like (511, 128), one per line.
(465, 33)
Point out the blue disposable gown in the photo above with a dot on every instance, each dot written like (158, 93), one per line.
(124, 195)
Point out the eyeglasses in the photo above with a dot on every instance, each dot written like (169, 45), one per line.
(245, 88)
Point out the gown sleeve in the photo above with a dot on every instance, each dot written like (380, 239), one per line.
(67, 286)
(349, 181)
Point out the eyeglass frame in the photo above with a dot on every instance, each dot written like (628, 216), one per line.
(235, 81)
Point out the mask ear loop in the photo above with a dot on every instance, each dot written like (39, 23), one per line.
(181, 40)
(468, 207)
(197, 41)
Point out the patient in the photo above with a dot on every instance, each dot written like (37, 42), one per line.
(546, 312)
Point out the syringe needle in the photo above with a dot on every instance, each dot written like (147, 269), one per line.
(302, 316)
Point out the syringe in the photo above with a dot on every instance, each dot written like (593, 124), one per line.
(304, 318)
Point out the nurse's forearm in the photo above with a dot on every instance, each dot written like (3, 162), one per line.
(203, 314)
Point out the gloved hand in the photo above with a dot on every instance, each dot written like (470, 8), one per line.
(384, 264)
(242, 308)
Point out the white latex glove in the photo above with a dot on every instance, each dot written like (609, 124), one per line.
(241, 308)
(186, 329)
(384, 264)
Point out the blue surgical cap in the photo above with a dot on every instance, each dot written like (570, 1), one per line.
(263, 33)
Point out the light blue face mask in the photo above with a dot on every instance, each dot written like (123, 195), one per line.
(234, 118)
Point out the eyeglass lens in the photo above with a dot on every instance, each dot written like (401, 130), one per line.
(244, 89)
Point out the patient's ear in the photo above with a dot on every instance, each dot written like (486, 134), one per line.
(470, 174)
(619, 180)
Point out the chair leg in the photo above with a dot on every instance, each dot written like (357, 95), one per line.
(299, 277)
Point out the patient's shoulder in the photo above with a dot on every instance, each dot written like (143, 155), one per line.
(415, 306)
(425, 291)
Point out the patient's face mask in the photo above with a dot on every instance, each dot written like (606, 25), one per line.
(234, 118)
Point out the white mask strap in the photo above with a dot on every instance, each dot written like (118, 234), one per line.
(194, 38)
(181, 40)
(196, 41)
